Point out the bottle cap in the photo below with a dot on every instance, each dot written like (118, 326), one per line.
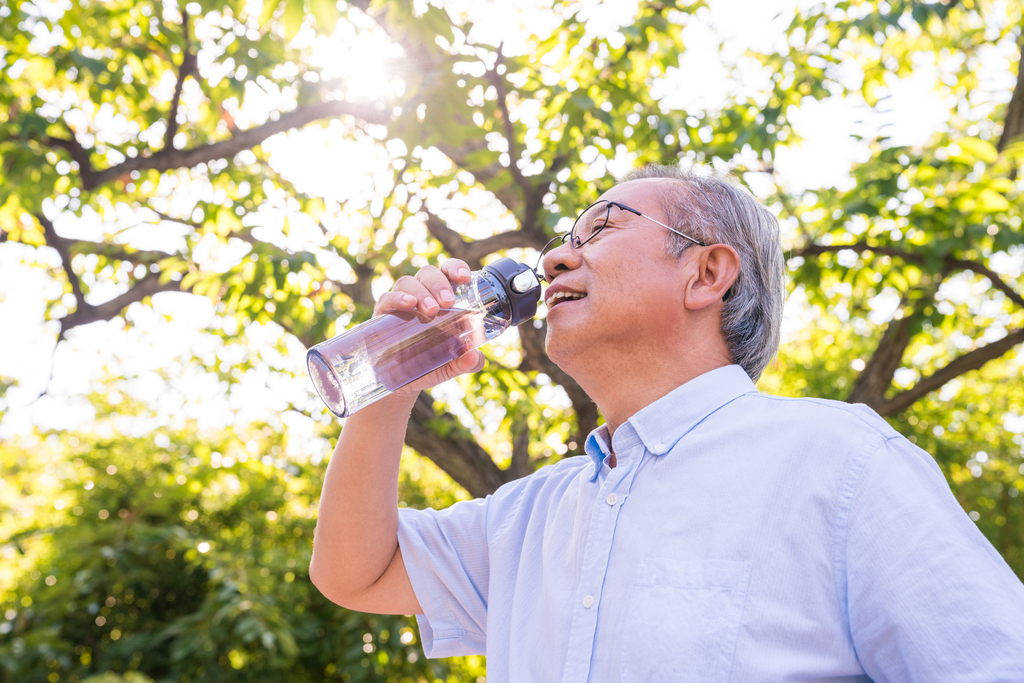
(521, 285)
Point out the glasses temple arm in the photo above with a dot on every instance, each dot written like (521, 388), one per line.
(673, 230)
(536, 269)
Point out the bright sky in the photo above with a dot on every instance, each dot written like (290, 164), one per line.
(161, 337)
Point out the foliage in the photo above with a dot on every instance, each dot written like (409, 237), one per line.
(155, 120)
(181, 555)
(465, 132)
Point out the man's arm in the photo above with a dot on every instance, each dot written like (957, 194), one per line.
(929, 598)
(356, 559)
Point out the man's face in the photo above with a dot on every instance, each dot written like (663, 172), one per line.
(632, 286)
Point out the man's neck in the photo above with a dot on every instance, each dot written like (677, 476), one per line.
(622, 387)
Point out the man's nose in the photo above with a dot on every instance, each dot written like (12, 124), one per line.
(560, 259)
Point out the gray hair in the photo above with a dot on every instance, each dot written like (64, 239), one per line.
(716, 209)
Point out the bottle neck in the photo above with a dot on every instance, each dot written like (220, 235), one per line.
(485, 293)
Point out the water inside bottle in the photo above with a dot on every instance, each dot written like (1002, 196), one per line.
(390, 351)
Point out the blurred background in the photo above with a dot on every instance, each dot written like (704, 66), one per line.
(193, 194)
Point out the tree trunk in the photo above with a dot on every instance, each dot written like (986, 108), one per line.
(876, 378)
(535, 358)
(1013, 125)
(440, 437)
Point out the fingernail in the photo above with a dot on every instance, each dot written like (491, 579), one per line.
(464, 272)
(408, 299)
(429, 301)
(447, 297)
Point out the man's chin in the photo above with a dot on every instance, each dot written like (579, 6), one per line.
(559, 346)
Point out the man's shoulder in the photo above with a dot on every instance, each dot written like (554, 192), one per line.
(566, 468)
(818, 415)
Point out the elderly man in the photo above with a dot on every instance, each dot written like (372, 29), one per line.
(711, 533)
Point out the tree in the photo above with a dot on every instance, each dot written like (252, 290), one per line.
(143, 105)
(181, 555)
(914, 218)
(934, 229)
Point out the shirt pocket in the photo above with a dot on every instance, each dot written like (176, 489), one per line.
(683, 620)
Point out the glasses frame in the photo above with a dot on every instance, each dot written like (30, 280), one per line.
(576, 243)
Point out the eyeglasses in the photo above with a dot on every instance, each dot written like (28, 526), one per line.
(595, 217)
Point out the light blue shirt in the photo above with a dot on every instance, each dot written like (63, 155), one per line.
(741, 537)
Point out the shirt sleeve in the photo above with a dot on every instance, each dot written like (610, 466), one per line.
(447, 557)
(929, 598)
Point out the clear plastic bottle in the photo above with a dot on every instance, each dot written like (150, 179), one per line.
(373, 359)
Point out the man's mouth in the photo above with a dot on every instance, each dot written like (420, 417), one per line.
(560, 297)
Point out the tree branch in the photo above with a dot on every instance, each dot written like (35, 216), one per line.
(473, 252)
(1013, 124)
(949, 262)
(535, 359)
(79, 154)
(172, 219)
(360, 291)
(188, 67)
(306, 340)
(169, 158)
(85, 312)
(63, 247)
(519, 464)
(510, 134)
(871, 388)
(147, 286)
(876, 378)
(972, 360)
(438, 436)
(818, 249)
(485, 174)
(787, 204)
(994, 278)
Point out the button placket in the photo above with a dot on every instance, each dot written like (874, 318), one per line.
(595, 565)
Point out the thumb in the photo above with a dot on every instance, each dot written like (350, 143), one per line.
(470, 362)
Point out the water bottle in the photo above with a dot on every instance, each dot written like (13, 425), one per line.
(373, 359)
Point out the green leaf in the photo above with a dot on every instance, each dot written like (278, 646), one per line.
(326, 13)
(436, 21)
(269, 7)
(990, 201)
(979, 149)
(294, 14)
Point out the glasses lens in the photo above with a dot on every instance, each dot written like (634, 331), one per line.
(590, 222)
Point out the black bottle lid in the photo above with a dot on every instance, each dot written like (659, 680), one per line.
(520, 284)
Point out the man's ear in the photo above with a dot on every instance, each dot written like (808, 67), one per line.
(717, 267)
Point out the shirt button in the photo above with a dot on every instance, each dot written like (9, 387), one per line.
(659, 448)
(588, 601)
(612, 499)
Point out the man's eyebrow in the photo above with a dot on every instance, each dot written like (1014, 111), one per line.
(619, 213)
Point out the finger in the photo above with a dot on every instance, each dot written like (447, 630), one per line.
(467, 363)
(406, 295)
(426, 302)
(438, 285)
(456, 271)
(395, 301)
(470, 362)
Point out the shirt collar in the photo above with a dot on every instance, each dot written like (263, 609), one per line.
(662, 423)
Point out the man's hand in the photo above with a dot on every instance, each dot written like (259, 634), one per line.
(425, 295)
(356, 559)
